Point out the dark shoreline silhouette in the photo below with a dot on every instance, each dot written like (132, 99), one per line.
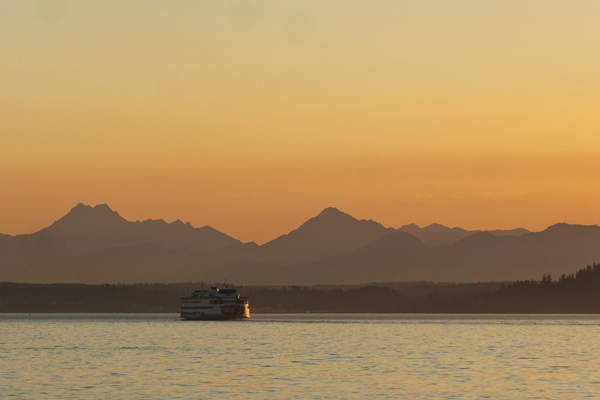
(574, 293)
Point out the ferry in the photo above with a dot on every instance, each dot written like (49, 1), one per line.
(215, 304)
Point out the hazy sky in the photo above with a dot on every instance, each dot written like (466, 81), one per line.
(252, 116)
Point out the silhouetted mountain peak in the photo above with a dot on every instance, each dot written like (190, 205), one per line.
(442, 228)
(103, 208)
(328, 218)
(558, 226)
(331, 232)
(85, 216)
(436, 227)
(332, 212)
(85, 228)
(410, 226)
(435, 234)
(563, 227)
(84, 209)
(333, 220)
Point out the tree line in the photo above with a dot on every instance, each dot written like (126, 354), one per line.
(575, 293)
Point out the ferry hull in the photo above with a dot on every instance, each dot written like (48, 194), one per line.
(227, 313)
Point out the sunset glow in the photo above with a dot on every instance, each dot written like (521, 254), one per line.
(251, 116)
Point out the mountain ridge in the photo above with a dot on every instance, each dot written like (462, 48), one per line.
(331, 232)
(85, 228)
(97, 245)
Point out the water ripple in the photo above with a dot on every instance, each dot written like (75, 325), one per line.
(299, 356)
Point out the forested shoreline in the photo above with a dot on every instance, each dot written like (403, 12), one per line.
(575, 293)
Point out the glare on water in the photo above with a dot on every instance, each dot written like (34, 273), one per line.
(299, 356)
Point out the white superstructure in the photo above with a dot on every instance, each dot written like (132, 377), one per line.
(215, 304)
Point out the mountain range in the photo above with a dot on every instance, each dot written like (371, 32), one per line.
(97, 245)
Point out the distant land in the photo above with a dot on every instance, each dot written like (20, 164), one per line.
(96, 245)
(574, 293)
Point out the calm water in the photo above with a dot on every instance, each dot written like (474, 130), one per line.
(300, 357)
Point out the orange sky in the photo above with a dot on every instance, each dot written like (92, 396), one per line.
(253, 116)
